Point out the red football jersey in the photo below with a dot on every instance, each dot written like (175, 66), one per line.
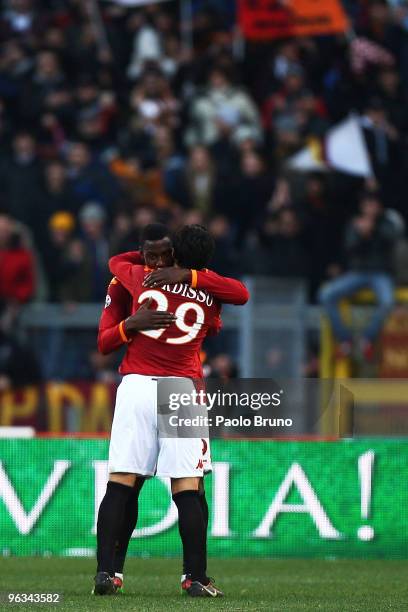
(172, 351)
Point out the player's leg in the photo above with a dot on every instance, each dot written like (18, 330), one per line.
(183, 460)
(192, 528)
(110, 521)
(204, 508)
(128, 526)
(133, 452)
(193, 532)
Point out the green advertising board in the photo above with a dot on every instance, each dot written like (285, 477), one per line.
(268, 499)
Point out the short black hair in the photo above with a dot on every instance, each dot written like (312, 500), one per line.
(154, 231)
(193, 247)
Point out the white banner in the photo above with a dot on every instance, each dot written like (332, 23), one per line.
(343, 148)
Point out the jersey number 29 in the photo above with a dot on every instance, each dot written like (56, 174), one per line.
(190, 331)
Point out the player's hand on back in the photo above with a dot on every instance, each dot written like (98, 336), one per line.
(167, 276)
(145, 319)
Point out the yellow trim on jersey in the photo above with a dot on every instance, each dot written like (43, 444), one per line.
(122, 332)
(194, 278)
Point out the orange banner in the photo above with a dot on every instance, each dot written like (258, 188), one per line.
(268, 19)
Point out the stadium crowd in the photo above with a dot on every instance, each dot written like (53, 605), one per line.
(105, 128)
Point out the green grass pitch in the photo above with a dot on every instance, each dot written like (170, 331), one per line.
(249, 584)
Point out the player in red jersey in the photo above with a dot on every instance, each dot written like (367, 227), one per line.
(117, 326)
(135, 448)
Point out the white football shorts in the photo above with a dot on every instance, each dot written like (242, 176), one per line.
(135, 445)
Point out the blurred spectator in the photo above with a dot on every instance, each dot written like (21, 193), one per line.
(15, 66)
(221, 102)
(318, 217)
(173, 55)
(88, 179)
(147, 45)
(94, 248)
(55, 196)
(254, 189)
(286, 60)
(60, 230)
(389, 90)
(225, 258)
(17, 282)
(171, 163)
(293, 113)
(283, 250)
(46, 90)
(152, 104)
(20, 176)
(95, 113)
(368, 245)
(290, 256)
(225, 149)
(77, 282)
(383, 145)
(198, 182)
